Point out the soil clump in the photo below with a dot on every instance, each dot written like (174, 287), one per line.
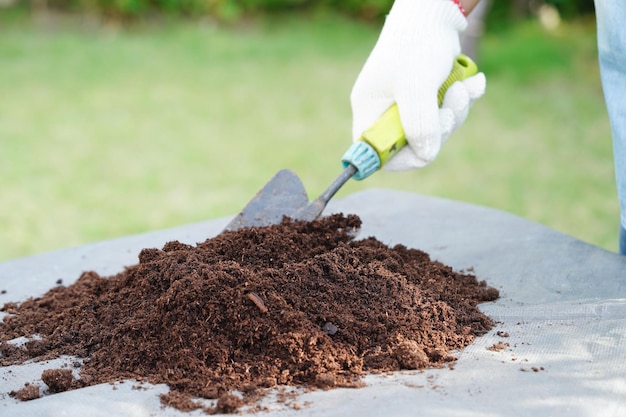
(297, 304)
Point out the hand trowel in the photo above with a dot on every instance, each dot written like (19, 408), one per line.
(284, 194)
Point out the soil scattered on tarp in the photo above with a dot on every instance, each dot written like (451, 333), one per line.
(300, 304)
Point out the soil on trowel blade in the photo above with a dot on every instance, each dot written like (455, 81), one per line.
(297, 304)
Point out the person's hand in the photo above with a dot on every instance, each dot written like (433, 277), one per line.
(412, 58)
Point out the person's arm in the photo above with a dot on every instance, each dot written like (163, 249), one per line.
(468, 5)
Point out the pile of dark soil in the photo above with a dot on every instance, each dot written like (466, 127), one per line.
(301, 304)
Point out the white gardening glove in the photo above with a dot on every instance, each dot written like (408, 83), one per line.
(412, 58)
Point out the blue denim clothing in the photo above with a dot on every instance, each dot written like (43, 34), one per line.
(611, 19)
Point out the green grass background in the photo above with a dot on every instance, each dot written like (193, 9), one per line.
(107, 131)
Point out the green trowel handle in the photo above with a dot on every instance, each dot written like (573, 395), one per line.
(387, 137)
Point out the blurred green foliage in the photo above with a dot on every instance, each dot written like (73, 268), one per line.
(572, 8)
(502, 13)
(223, 10)
(234, 10)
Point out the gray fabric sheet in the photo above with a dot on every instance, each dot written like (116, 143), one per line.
(563, 304)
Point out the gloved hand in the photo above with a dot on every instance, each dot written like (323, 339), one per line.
(412, 58)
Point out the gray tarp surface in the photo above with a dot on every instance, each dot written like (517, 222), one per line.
(563, 304)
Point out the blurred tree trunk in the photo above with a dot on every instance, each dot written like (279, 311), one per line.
(521, 8)
(470, 38)
(40, 6)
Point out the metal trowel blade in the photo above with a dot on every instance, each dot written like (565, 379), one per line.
(283, 195)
